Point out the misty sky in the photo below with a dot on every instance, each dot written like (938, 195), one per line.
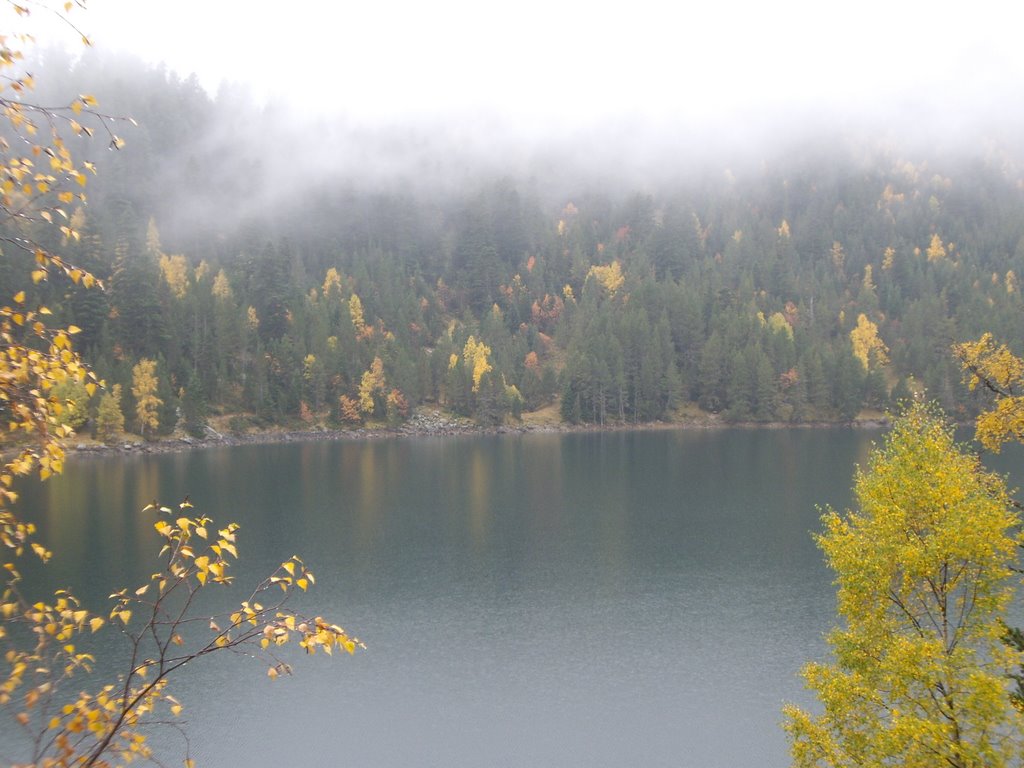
(546, 64)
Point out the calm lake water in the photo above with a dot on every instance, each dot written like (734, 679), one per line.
(622, 599)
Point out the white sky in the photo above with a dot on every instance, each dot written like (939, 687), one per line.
(545, 62)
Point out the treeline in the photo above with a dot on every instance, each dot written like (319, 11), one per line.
(806, 289)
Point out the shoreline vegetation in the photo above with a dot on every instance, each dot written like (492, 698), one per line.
(824, 283)
(433, 422)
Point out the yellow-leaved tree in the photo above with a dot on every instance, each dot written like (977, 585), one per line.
(371, 386)
(109, 418)
(924, 570)
(67, 720)
(991, 366)
(144, 386)
(868, 348)
(609, 276)
(355, 310)
(994, 367)
(477, 355)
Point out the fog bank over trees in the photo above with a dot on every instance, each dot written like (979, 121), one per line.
(282, 268)
(213, 160)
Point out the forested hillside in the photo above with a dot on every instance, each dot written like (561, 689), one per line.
(333, 275)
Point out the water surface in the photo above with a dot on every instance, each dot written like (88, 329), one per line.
(632, 598)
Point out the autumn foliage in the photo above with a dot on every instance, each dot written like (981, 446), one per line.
(991, 366)
(868, 348)
(68, 717)
(924, 569)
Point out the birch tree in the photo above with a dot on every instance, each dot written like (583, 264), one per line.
(920, 675)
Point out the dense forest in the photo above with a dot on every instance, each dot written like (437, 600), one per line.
(333, 275)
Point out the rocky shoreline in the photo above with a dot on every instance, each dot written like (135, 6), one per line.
(421, 424)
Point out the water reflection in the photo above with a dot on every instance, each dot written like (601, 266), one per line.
(543, 600)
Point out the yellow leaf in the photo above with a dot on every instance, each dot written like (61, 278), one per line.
(19, 297)
(95, 624)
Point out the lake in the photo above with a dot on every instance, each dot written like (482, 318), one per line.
(616, 599)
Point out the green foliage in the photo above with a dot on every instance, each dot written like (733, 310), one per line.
(925, 578)
(193, 407)
(68, 714)
(109, 417)
(744, 296)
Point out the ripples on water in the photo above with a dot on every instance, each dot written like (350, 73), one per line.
(641, 599)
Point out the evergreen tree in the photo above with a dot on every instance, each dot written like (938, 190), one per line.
(193, 407)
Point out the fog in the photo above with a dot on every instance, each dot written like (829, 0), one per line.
(543, 67)
(428, 98)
